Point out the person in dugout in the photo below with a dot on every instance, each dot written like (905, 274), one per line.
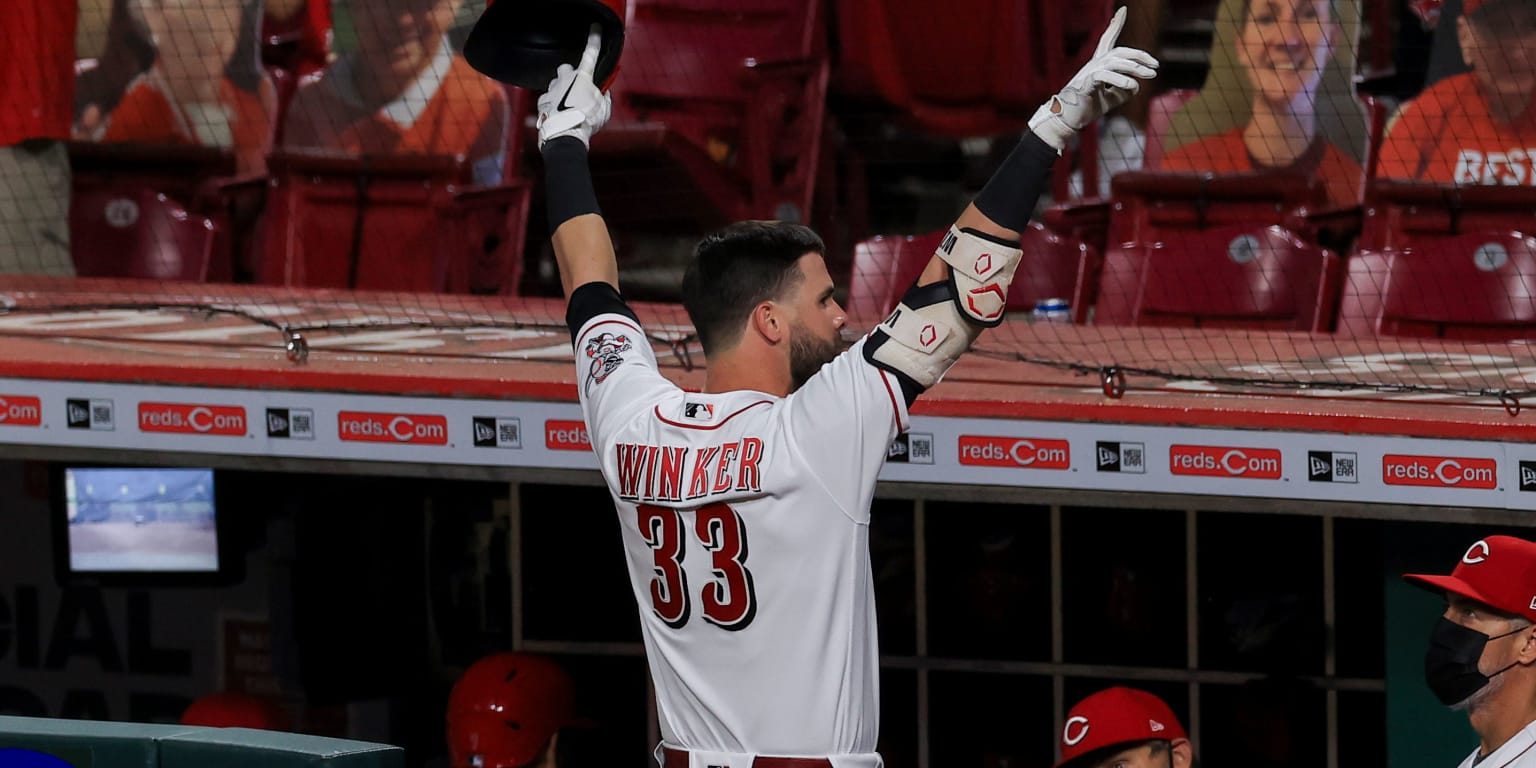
(508, 711)
(1123, 728)
(1482, 654)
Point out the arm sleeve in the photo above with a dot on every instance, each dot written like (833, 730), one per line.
(616, 373)
(841, 423)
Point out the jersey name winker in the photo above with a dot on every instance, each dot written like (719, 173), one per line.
(659, 472)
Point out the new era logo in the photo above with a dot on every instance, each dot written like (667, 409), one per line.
(494, 432)
(291, 423)
(1332, 467)
(1528, 475)
(88, 414)
(911, 448)
(1120, 457)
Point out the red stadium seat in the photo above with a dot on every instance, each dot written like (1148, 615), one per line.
(884, 267)
(1234, 276)
(166, 201)
(201, 180)
(1442, 261)
(136, 232)
(718, 112)
(406, 223)
(945, 77)
(1181, 259)
(1478, 286)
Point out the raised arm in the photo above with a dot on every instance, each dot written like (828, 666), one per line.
(964, 288)
(1109, 79)
(571, 111)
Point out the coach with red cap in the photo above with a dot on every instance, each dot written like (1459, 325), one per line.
(1124, 728)
(1482, 655)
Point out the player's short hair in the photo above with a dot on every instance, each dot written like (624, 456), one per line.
(735, 269)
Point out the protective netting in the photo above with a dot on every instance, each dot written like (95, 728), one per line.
(1312, 194)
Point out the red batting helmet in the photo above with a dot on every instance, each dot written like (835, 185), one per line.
(234, 710)
(523, 42)
(505, 708)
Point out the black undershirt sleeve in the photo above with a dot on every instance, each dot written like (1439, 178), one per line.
(910, 390)
(1015, 187)
(593, 299)
(567, 181)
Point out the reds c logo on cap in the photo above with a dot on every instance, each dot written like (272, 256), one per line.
(1068, 737)
(1476, 553)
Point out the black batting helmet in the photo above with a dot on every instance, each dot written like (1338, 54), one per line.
(522, 42)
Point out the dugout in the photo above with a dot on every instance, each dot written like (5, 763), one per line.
(404, 500)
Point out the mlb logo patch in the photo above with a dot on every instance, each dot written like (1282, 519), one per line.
(1332, 467)
(1120, 457)
(699, 411)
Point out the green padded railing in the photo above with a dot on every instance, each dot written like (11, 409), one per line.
(94, 744)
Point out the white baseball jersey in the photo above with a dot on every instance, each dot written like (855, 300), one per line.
(746, 528)
(1518, 752)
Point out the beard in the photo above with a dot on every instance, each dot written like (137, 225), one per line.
(808, 353)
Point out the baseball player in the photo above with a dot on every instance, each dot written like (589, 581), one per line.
(1476, 127)
(1482, 654)
(1123, 728)
(745, 507)
(507, 711)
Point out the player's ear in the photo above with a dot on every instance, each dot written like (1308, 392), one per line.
(1183, 754)
(769, 322)
(547, 760)
(1527, 653)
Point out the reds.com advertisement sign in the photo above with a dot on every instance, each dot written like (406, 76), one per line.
(20, 411)
(1023, 452)
(190, 419)
(1439, 471)
(1224, 461)
(565, 435)
(414, 428)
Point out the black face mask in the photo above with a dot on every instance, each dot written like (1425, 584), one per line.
(1450, 664)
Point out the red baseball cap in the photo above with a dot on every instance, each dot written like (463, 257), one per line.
(1499, 571)
(1116, 716)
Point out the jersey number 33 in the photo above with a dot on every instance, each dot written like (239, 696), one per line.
(729, 600)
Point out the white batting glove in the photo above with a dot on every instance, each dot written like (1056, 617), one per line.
(574, 105)
(1108, 80)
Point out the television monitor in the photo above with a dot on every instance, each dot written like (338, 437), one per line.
(144, 524)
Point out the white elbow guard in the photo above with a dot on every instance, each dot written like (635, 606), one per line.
(922, 338)
(930, 327)
(980, 269)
